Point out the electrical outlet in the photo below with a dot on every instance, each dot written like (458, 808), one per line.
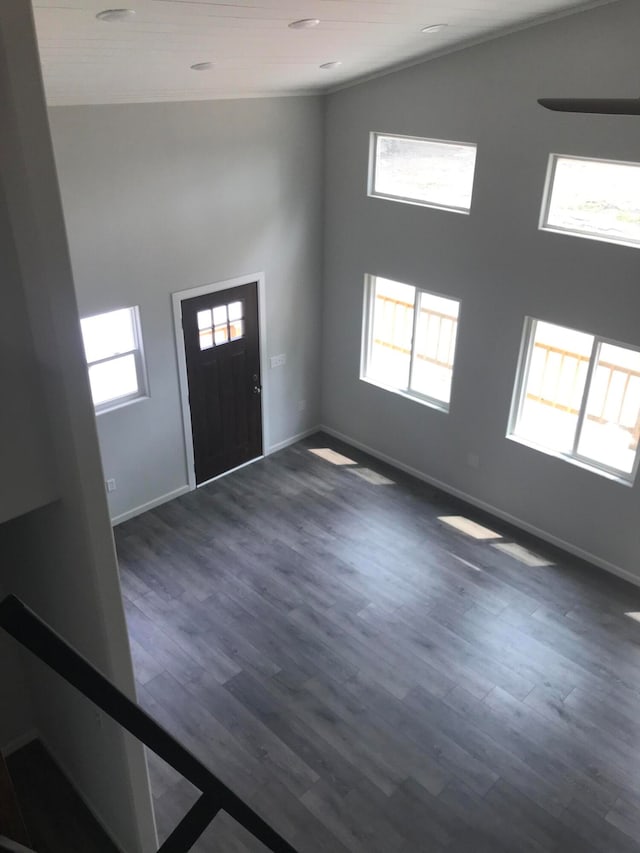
(302, 405)
(473, 460)
(278, 360)
(111, 485)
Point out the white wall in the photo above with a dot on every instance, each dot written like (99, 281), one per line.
(27, 473)
(164, 197)
(496, 260)
(60, 559)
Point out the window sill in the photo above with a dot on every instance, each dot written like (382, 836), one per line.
(418, 203)
(572, 460)
(120, 404)
(588, 235)
(415, 398)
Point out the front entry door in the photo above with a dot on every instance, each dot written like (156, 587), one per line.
(222, 352)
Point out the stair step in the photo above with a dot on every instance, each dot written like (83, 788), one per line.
(11, 821)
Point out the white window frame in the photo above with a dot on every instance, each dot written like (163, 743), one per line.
(138, 352)
(517, 403)
(367, 342)
(544, 224)
(371, 192)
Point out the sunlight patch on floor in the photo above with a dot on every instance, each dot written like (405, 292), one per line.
(523, 555)
(471, 528)
(332, 456)
(372, 477)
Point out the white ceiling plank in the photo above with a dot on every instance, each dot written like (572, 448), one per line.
(148, 57)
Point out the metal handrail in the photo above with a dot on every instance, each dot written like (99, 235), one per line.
(32, 632)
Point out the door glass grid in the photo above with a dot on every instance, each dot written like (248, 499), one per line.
(220, 325)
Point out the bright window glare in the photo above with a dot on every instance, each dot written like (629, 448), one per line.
(613, 409)
(595, 198)
(598, 424)
(106, 335)
(425, 171)
(554, 386)
(405, 353)
(114, 357)
(113, 379)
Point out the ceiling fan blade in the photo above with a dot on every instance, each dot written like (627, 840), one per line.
(604, 106)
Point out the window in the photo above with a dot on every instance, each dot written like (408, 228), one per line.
(217, 326)
(113, 347)
(422, 171)
(599, 199)
(409, 340)
(578, 395)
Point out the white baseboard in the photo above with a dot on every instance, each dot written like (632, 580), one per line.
(292, 440)
(498, 513)
(17, 743)
(138, 510)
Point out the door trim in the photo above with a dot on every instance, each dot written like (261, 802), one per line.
(177, 298)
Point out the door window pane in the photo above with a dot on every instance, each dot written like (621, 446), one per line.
(220, 315)
(204, 319)
(235, 311)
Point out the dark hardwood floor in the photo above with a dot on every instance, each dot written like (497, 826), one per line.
(370, 679)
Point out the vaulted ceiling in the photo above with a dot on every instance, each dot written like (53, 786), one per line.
(148, 56)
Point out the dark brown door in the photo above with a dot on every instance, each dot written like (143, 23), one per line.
(223, 370)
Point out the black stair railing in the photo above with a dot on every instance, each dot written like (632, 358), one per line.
(40, 639)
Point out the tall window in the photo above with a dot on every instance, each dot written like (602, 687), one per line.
(409, 340)
(599, 199)
(579, 395)
(422, 171)
(113, 347)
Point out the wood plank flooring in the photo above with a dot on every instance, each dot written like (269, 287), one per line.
(372, 679)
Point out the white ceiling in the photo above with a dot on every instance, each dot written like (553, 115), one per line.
(148, 57)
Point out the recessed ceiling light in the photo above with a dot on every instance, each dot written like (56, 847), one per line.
(434, 28)
(304, 24)
(115, 14)
(202, 66)
(327, 66)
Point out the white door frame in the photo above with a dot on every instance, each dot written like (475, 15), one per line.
(177, 299)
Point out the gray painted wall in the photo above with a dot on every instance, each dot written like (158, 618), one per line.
(164, 197)
(60, 559)
(26, 470)
(496, 260)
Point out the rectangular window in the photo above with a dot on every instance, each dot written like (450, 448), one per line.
(578, 395)
(422, 171)
(113, 348)
(598, 199)
(409, 340)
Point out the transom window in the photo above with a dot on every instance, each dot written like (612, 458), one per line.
(578, 395)
(220, 325)
(409, 340)
(599, 199)
(113, 348)
(422, 171)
